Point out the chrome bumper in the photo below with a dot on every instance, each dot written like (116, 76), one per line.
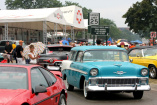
(136, 88)
(118, 84)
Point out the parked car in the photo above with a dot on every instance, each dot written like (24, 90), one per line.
(104, 68)
(53, 56)
(30, 85)
(146, 56)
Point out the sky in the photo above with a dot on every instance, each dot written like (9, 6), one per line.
(111, 9)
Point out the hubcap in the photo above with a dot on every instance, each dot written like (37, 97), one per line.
(152, 72)
(84, 89)
(62, 101)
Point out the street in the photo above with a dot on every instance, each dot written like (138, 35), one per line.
(76, 98)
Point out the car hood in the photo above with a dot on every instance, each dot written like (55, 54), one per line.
(111, 68)
(7, 95)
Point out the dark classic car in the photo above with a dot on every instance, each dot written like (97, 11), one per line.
(53, 55)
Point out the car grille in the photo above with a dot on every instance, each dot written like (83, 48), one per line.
(118, 82)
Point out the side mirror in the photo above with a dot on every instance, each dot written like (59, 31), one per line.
(131, 60)
(138, 56)
(40, 89)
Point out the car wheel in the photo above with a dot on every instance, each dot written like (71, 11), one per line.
(87, 94)
(62, 100)
(153, 72)
(68, 86)
(138, 94)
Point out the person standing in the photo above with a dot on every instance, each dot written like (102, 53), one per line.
(8, 50)
(98, 42)
(14, 51)
(19, 56)
(32, 56)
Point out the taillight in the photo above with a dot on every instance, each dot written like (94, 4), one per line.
(50, 52)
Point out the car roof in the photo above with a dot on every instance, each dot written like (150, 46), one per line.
(84, 48)
(58, 45)
(141, 47)
(18, 65)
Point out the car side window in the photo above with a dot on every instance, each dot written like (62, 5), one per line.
(79, 56)
(37, 79)
(136, 53)
(72, 55)
(49, 76)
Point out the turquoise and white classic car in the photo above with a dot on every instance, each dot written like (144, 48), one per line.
(104, 68)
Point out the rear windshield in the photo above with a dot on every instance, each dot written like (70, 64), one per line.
(59, 48)
(13, 78)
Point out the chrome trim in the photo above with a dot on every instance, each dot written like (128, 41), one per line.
(77, 70)
(115, 77)
(119, 72)
(138, 88)
(53, 68)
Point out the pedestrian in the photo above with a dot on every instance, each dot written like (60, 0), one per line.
(19, 53)
(32, 56)
(49, 43)
(8, 50)
(98, 42)
(14, 51)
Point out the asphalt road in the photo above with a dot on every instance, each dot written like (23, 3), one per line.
(76, 98)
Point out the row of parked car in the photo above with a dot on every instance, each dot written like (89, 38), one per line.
(91, 68)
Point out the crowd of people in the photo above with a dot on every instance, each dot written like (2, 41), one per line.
(100, 43)
(14, 52)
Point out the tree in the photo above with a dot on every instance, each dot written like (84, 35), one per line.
(28, 4)
(84, 9)
(142, 16)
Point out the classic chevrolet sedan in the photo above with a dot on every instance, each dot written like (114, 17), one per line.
(106, 69)
(30, 85)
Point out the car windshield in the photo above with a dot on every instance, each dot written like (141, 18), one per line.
(150, 52)
(13, 78)
(105, 55)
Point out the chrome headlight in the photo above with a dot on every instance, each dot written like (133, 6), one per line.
(144, 72)
(51, 60)
(94, 72)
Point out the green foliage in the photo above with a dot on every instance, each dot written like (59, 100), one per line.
(142, 16)
(28, 4)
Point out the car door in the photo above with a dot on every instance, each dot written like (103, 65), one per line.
(137, 56)
(38, 79)
(75, 68)
(54, 87)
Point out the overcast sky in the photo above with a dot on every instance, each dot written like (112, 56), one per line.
(111, 9)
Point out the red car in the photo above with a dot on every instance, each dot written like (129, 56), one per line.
(30, 85)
